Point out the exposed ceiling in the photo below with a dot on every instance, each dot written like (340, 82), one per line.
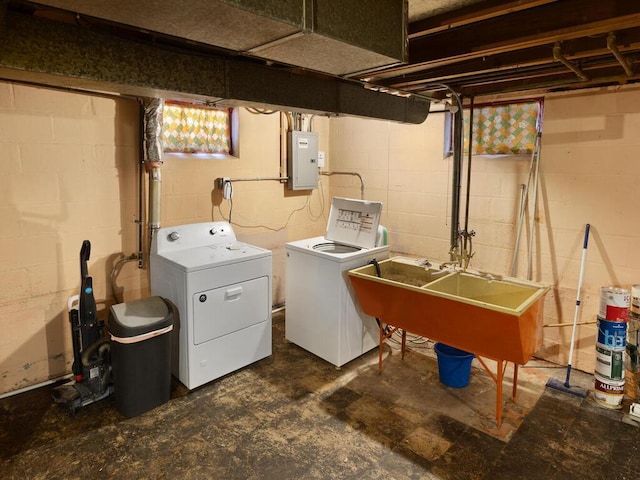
(492, 47)
(475, 47)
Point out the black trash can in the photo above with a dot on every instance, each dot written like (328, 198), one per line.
(141, 354)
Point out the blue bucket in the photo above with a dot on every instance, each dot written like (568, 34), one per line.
(454, 366)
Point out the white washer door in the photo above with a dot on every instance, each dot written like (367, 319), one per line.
(227, 309)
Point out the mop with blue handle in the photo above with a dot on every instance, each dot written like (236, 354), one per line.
(566, 386)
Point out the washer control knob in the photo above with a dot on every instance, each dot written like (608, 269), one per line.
(173, 236)
(213, 231)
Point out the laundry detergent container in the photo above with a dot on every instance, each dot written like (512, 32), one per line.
(141, 353)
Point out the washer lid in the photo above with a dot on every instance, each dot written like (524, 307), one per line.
(354, 222)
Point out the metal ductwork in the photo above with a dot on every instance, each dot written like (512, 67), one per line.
(337, 37)
(55, 49)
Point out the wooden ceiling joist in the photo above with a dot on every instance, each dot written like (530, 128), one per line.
(542, 25)
(498, 46)
(471, 14)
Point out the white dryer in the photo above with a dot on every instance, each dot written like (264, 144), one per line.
(323, 315)
(222, 289)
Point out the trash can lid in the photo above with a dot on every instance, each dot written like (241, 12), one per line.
(140, 316)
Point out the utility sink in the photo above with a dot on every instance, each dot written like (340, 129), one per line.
(498, 318)
(492, 317)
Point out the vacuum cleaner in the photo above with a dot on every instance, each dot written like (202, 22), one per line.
(91, 347)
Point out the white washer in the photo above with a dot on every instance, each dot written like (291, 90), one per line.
(222, 289)
(323, 315)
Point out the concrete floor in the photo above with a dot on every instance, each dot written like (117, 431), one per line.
(294, 416)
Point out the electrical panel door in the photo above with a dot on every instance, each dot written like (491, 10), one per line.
(302, 160)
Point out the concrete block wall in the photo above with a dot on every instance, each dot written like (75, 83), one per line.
(590, 175)
(403, 167)
(67, 173)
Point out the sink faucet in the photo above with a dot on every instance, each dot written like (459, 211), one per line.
(461, 257)
(424, 262)
(456, 261)
(467, 249)
(455, 256)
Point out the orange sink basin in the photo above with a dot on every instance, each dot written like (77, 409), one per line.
(495, 318)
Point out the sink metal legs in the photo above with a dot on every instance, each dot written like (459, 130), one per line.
(497, 377)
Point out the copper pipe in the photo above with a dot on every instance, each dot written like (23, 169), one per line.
(611, 45)
(557, 55)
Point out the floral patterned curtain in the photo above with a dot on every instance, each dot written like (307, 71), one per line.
(503, 129)
(195, 130)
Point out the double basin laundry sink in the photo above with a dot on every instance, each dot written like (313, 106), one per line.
(498, 318)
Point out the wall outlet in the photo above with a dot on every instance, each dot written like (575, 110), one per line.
(320, 159)
(224, 184)
(227, 189)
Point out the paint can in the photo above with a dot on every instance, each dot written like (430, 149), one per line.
(608, 393)
(612, 334)
(635, 299)
(614, 304)
(610, 362)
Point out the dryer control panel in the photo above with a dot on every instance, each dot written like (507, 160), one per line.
(181, 237)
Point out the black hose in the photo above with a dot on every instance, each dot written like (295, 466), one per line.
(86, 354)
(376, 265)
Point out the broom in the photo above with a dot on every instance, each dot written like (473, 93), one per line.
(566, 387)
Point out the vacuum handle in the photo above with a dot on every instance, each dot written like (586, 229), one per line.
(85, 253)
(586, 236)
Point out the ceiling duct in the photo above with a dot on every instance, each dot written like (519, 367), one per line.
(337, 37)
(47, 48)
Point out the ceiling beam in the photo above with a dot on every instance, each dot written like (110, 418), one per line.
(537, 26)
(557, 79)
(84, 57)
(509, 63)
(470, 14)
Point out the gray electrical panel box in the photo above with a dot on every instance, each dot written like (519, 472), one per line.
(302, 160)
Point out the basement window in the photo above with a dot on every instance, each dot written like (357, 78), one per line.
(499, 128)
(187, 129)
